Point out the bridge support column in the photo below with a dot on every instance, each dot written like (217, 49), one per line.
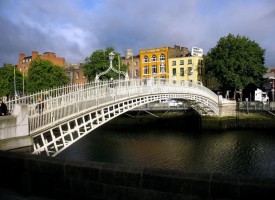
(14, 132)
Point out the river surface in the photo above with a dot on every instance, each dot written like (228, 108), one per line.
(241, 152)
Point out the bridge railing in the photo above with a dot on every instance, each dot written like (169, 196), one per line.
(64, 102)
(45, 94)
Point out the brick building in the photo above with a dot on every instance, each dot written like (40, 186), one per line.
(24, 61)
(133, 63)
(75, 73)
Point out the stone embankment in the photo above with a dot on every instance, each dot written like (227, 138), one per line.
(192, 121)
(57, 178)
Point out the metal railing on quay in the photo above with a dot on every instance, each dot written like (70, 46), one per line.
(256, 105)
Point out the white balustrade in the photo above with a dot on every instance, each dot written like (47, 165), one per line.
(64, 103)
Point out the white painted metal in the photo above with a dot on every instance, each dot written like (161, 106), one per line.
(71, 112)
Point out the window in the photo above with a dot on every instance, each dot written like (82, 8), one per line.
(174, 63)
(181, 62)
(154, 69)
(162, 57)
(77, 75)
(199, 70)
(145, 70)
(154, 58)
(136, 74)
(182, 71)
(174, 71)
(145, 59)
(190, 71)
(189, 61)
(199, 62)
(162, 68)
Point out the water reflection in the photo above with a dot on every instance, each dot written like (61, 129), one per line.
(231, 152)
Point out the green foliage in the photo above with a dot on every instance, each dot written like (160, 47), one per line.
(99, 62)
(7, 81)
(236, 62)
(43, 74)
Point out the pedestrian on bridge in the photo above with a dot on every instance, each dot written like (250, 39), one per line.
(111, 84)
(3, 108)
(40, 105)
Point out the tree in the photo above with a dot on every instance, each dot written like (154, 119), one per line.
(99, 62)
(236, 62)
(7, 75)
(43, 74)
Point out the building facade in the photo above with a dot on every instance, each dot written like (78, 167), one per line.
(24, 61)
(188, 68)
(133, 63)
(75, 73)
(154, 61)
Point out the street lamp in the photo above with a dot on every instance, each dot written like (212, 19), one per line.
(162, 68)
(14, 82)
(23, 84)
(111, 57)
(273, 87)
(162, 72)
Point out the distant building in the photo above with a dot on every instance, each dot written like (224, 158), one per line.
(133, 63)
(188, 68)
(154, 61)
(75, 73)
(269, 85)
(24, 61)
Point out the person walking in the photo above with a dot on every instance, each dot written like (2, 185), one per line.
(3, 108)
(40, 105)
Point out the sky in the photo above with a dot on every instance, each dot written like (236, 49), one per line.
(74, 29)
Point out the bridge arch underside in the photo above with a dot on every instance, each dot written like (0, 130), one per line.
(60, 136)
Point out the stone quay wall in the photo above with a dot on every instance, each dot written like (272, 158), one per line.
(67, 179)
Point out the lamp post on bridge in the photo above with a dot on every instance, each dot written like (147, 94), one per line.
(162, 73)
(273, 87)
(111, 57)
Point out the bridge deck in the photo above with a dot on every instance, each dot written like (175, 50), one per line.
(71, 112)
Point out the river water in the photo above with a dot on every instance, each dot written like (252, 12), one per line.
(232, 152)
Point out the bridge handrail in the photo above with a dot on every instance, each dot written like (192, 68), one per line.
(99, 89)
(45, 94)
(54, 108)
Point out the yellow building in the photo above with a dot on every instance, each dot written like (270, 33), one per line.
(154, 61)
(186, 69)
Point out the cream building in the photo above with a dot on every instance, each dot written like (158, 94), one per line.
(187, 69)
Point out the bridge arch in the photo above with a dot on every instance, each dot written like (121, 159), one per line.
(74, 111)
(60, 136)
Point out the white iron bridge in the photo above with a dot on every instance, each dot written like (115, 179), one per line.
(73, 111)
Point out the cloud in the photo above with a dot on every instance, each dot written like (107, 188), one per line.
(74, 29)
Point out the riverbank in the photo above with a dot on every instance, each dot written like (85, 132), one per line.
(192, 121)
(256, 120)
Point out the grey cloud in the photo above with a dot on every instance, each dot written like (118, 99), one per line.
(75, 29)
